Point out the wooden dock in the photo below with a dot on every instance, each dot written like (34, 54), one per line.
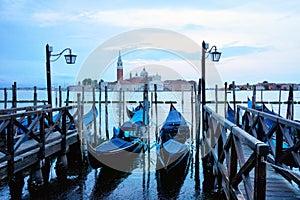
(277, 187)
(30, 138)
(243, 166)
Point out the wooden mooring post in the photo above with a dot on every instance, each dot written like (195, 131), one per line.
(216, 97)
(100, 108)
(34, 96)
(234, 99)
(279, 101)
(59, 96)
(95, 117)
(120, 107)
(106, 114)
(225, 99)
(14, 95)
(5, 98)
(156, 113)
(68, 96)
(192, 112)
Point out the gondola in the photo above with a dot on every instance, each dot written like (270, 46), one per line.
(172, 148)
(122, 148)
(131, 112)
(230, 113)
(88, 118)
(169, 184)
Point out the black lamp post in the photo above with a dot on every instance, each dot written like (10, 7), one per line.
(70, 59)
(215, 57)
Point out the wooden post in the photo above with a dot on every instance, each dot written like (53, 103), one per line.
(254, 97)
(216, 97)
(14, 95)
(5, 98)
(182, 99)
(146, 102)
(146, 114)
(197, 114)
(260, 178)
(290, 105)
(199, 118)
(225, 100)
(82, 101)
(233, 161)
(279, 101)
(261, 99)
(234, 100)
(100, 109)
(120, 106)
(123, 107)
(68, 96)
(106, 114)
(95, 117)
(192, 113)
(60, 96)
(80, 123)
(56, 101)
(151, 100)
(156, 114)
(34, 96)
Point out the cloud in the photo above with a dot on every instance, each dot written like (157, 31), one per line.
(233, 51)
(250, 34)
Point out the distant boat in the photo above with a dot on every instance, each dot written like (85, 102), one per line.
(172, 148)
(120, 150)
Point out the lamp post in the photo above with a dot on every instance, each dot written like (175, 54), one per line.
(215, 57)
(70, 59)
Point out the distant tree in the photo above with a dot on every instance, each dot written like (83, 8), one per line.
(87, 81)
(266, 85)
(95, 82)
(230, 87)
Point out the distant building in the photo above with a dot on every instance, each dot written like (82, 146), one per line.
(119, 68)
(137, 82)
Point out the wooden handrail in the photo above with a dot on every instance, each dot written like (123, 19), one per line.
(39, 128)
(282, 136)
(27, 108)
(229, 147)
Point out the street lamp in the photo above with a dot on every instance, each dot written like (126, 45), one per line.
(215, 57)
(70, 59)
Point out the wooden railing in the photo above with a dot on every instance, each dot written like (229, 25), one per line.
(281, 135)
(24, 136)
(235, 155)
(23, 109)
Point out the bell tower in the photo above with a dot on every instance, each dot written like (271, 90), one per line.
(119, 68)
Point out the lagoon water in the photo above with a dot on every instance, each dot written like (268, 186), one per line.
(86, 183)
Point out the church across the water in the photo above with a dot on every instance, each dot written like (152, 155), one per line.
(136, 81)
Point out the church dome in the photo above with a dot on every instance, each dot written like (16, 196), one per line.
(144, 73)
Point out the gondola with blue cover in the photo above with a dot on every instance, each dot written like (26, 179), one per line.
(122, 148)
(172, 148)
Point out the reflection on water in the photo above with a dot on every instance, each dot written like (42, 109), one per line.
(141, 183)
(106, 181)
(169, 184)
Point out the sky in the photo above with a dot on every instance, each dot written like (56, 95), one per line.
(259, 39)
